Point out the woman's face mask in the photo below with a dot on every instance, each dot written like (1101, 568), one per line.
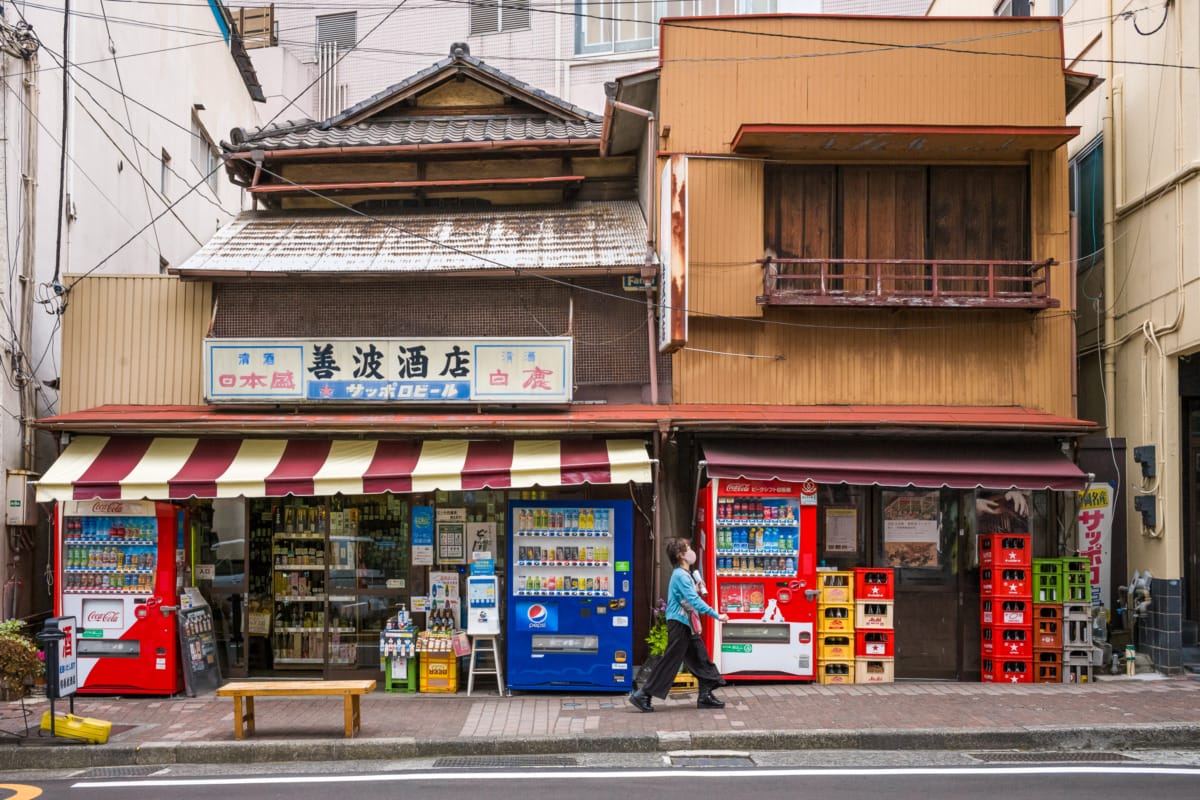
(689, 557)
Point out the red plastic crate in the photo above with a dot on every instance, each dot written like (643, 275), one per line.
(1005, 582)
(1006, 641)
(875, 644)
(874, 583)
(1009, 670)
(1005, 549)
(999, 611)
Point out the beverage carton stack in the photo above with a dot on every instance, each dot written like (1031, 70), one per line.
(835, 627)
(1006, 607)
(874, 625)
(1062, 620)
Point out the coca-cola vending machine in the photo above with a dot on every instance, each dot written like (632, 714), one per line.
(759, 543)
(117, 575)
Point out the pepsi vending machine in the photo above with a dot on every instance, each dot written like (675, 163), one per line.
(570, 595)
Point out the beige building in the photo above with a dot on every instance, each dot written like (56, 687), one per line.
(1136, 204)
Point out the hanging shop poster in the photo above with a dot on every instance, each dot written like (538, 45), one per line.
(481, 538)
(452, 536)
(422, 536)
(1095, 535)
(443, 593)
(1002, 511)
(841, 530)
(910, 529)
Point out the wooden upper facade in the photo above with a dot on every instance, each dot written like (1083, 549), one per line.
(877, 210)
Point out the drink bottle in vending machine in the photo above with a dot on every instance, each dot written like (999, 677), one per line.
(116, 574)
(758, 542)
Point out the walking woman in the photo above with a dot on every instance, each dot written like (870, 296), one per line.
(683, 642)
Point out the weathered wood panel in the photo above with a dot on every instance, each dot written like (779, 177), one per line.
(725, 208)
(720, 73)
(133, 339)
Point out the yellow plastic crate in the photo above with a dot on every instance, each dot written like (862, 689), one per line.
(684, 682)
(874, 670)
(836, 587)
(835, 618)
(439, 673)
(835, 672)
(835, 647)
(85, 729)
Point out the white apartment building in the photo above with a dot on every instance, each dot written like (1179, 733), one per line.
(111, 117)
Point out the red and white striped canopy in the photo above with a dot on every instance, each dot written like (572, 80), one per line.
(164, 468)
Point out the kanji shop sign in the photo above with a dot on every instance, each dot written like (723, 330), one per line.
(1095, 536)
(431, 370)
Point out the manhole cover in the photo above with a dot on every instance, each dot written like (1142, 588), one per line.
(711, 761)
(453, 762)
(1024, 758)
(118, 772)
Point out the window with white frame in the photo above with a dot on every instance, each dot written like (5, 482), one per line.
(339, 29)
(205, 156)
(499, 16)
(619, 26)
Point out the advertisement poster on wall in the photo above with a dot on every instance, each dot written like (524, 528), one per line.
(910, 529)
(451, 536)
(422, 536)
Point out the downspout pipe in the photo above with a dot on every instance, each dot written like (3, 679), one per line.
(1108, 156)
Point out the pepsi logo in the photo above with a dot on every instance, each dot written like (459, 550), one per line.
(537, 614)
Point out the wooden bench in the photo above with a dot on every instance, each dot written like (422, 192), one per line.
(350, 691)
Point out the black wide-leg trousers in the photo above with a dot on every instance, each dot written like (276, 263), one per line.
(688, 650)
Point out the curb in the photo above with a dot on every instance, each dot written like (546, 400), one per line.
(1147, 736)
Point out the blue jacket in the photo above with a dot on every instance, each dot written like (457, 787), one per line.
(681, 588)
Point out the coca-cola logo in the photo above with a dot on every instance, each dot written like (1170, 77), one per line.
(108, 507)
(104, 616)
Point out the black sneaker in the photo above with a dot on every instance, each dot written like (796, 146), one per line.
(640, 701)
(709, 700)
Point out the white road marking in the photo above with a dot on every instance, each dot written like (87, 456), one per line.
(671, 774)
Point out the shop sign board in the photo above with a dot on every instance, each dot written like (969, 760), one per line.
(426, 370)
(1095, 535)
(62, 660)
(673, 255)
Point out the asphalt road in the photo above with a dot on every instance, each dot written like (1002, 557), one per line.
(1035, 781)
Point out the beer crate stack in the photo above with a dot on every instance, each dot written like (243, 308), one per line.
(1062, 620)
(874, 625)
(835, 627)
(1076, 587)
(1006, 607)
(1047, 620)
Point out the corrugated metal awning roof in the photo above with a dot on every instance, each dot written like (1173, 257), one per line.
(573, 238)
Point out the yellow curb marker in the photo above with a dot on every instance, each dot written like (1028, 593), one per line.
(21, 791)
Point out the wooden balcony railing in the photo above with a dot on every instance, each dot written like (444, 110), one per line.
(906, 282)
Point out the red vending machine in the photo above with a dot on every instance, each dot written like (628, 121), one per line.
(759, 549)
(116, 574)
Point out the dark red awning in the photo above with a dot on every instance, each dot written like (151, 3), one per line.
(928, 464)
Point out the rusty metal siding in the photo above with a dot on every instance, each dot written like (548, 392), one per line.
(725, 203)
(907, 357)
(989, 71)
(133, 339)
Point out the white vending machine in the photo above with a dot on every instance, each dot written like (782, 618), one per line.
(483, 608)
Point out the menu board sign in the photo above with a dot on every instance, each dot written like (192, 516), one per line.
(198, 650)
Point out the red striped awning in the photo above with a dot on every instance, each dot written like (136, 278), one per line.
(166, 468)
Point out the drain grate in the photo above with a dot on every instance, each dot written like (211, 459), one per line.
(711, 761)
(118, 772)
(459, 762)
(1058, 757)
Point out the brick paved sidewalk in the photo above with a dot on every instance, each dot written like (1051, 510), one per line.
(756, 715)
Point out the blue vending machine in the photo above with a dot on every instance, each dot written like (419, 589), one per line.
(570, 590)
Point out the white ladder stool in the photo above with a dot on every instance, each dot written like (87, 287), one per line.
(485, 645)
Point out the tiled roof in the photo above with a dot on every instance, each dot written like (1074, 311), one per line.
(579, 236)
(421, 131)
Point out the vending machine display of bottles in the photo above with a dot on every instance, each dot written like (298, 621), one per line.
(569, 595)
(117, 575)
(759, 547)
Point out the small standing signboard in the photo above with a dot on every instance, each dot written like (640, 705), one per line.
(198, 644)
(62, 662)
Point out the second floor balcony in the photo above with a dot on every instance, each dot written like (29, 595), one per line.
(910, 283)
